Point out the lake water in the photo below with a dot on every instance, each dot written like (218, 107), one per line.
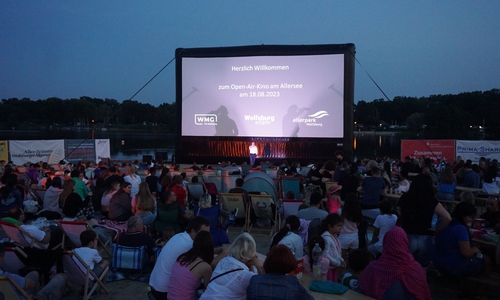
(132, 145)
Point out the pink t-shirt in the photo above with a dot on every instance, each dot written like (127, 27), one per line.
(183, 285)
(333, 204)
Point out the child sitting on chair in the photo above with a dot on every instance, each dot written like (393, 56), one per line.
(89, 254)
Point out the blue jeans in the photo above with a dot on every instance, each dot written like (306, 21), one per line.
(421, 247)
(148, 218)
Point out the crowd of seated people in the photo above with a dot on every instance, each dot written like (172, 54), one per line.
(168, 208)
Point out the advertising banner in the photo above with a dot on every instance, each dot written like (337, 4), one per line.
(80, 150)
(4, 150)
(102, 149)
(473, 150)
(434, 149)
(50, 151)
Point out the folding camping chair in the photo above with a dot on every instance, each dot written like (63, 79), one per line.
(73, 229)
(262, 206)
(9, 289)
(79, 273)
(231, 201)
(130, 258)
(22, 238)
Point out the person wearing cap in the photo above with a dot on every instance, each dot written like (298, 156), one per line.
(333, 204)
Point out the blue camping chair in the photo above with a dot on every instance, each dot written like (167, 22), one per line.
(212, 214)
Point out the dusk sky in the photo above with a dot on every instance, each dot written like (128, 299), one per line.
(110, 49)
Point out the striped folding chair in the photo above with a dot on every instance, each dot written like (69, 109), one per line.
(131, 258)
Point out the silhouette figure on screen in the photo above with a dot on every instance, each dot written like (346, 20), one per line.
(253, 153)
(267, 150)
(291, 129)
(225, 125)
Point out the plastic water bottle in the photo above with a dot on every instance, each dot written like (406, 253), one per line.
(316, 255)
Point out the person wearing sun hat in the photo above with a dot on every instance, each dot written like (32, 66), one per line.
(333, 204)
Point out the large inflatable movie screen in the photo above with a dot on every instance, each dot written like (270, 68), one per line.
(264, 91)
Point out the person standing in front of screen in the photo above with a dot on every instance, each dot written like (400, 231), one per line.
(225, 125)
(253, 153)
(290, 128)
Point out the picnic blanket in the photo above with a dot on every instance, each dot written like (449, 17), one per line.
(118, 227)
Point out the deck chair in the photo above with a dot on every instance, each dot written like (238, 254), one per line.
(217, 180)
(231, 201)
(79, 273)
(130, 258)
(262, 206)
(291, 207)
(38, 194)
(195, 190)
(10, 289)
(11, 261)
(73, 229)
(22, 238)
(290, 184)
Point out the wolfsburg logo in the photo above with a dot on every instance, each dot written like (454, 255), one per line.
(205, 119)
(320, 114)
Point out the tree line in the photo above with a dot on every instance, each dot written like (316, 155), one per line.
(53, 113)
(443, 116)
(448, 116)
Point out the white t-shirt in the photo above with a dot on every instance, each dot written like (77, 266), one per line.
(294, 242)
(89, 255)
(36, 233)
(160, 277)
(384, 223)
(229, 286)
(253, 149)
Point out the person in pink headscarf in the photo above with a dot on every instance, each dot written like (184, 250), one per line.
(395, 275)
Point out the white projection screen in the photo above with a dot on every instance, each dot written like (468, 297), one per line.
(289, 92)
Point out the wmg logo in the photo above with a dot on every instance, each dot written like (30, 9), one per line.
(205, 119)
(320, 114)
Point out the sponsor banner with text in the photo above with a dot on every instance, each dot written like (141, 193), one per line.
(50, 151)
(102, 149)
(4, 151)
(80, 150)
(473, 150)
(434, 149)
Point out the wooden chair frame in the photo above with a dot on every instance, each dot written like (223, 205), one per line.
(18, 235)
(73, 229)
(8, 288)
(261, 205)
(79, 269)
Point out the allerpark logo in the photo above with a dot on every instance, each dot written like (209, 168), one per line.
(313, 119)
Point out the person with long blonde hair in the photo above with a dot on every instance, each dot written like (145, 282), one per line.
(144, 204)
